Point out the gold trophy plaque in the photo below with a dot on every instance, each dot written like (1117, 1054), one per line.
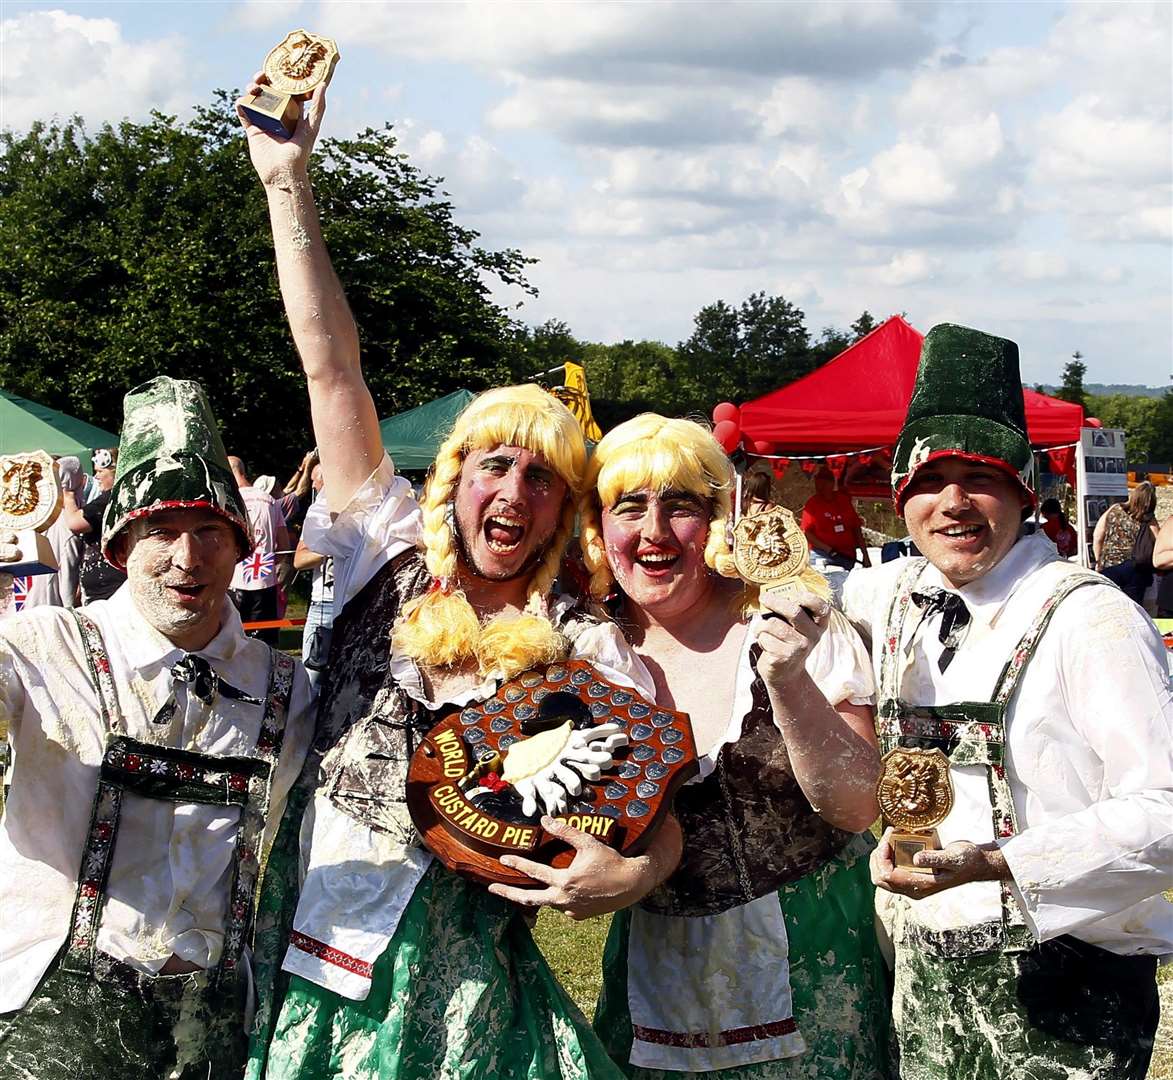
(915, 795)
(770, 551)
(295, 68)
(30, 500)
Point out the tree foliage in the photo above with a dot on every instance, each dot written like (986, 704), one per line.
(145, 249)
(1147, 423)
(1072, 387)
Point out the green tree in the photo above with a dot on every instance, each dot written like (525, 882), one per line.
(1161, 449)
(863, 326)
(144, 249)
(1137, 416)
(631, 377)
(1072, 386)
(739, 353)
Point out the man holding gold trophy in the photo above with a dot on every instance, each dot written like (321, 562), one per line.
(1024, 710)
(392, 965)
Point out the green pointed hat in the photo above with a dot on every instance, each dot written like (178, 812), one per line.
(967, 402)
(170, 457)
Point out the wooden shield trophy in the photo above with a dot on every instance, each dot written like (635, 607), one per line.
(30, 500)
(560, 740)
(915, 795)
(294, 68)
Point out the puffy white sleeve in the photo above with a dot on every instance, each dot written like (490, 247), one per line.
(1114, 847)
(840, 666)
(604, 645)
(381, 519)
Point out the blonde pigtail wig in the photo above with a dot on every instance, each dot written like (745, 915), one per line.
(652, 451)
(441, 628)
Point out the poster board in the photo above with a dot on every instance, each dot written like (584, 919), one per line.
(1101, 479)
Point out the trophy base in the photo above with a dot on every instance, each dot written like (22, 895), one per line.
(272, 112)
(36, 556)
(906, 844)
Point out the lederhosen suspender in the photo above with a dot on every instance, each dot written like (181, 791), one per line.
(969, 733)
(179, 776)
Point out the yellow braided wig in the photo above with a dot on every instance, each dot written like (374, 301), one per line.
(652, 451)
(441, 628)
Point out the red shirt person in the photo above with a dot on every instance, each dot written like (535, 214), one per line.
(831, 524)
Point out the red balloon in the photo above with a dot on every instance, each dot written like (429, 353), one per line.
(726, 411)
(761, 446)
(728, 434)
(1091, 421)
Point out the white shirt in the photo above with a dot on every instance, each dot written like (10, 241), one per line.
(1089, 749)
(170, 870)
(358, 880)
(259, 570)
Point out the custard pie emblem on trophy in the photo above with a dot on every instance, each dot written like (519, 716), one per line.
(30, 499)
(294, 68)
(915, 795)
(770, 551)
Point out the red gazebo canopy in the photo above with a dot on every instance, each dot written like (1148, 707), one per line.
(858, 400)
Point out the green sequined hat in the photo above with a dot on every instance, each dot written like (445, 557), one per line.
(170, 457)
(967, 402)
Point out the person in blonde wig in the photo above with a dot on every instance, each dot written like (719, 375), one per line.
(372, 961)
(757, 956)
(441, 628)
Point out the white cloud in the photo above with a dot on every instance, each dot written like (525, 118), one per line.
(268, 15)
(108, 76)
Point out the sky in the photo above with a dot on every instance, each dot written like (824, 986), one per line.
(1008, 166)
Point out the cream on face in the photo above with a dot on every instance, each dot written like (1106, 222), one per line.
(508, 506)
(179, 566)
(655, 543)
(963, 516)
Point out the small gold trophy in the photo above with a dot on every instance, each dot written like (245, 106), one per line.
(30, 500)
(915, 795)
(770, 550)
(295, 68)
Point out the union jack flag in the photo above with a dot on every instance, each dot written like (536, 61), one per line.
(20, 592)
(258, 566)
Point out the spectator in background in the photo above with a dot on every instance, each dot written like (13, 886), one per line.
(99, 579)
(1123, 541)
(833, 529)
(1163, 562)
(300, 491)
(254, 583)
(755, 493)
(60, 589)
(1058, 529)
(319, 617)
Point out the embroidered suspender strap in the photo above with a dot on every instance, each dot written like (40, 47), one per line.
(1018, 936)
(249, 836)
(99, 665)
(889, 688)
(95, 864)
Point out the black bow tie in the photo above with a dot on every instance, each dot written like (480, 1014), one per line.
(203, 682)
(954, 618)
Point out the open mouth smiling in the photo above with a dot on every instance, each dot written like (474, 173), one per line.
(656, 562)
(504, 533)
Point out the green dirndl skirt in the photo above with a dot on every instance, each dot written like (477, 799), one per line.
(460, 993)
(837, 977)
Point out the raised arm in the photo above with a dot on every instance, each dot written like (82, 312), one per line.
(346, 426)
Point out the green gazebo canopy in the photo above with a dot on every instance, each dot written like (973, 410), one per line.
(28, 425)
(413, 437)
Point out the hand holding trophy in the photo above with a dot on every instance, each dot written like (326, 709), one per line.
(293, 70)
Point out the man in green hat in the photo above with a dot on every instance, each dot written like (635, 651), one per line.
(1025, 714)
(154, 744)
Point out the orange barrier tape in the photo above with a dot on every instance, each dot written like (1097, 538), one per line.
(274, 624)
